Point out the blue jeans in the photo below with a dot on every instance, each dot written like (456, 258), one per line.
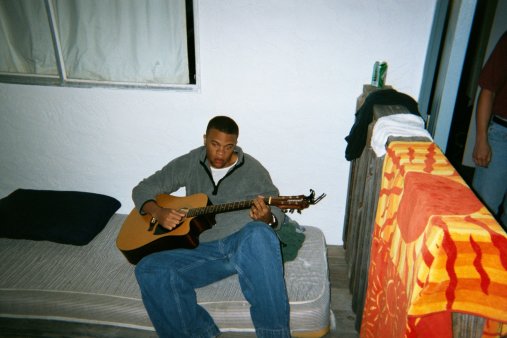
(168, 280)
(491, 183)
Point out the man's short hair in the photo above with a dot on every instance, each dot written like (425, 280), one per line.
(224, 124)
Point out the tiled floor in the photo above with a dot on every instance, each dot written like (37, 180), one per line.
(341, 299)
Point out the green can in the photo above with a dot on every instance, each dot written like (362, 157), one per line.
(378, 78)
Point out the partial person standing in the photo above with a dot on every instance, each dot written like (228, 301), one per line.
(490, 150)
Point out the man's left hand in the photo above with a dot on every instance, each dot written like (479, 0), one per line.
(260, 211)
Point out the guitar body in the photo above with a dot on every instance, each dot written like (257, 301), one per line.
(136, 239)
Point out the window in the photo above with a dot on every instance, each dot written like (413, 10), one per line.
(127, 43)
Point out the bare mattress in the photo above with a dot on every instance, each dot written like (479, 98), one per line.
(45, 284)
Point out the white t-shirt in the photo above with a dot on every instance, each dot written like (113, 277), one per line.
(219, 173)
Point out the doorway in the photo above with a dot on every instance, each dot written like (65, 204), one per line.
(462, 116)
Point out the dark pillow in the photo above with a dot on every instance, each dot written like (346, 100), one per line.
(69, 217)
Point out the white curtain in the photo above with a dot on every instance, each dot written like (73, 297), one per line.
(26, 46)
(132, 41)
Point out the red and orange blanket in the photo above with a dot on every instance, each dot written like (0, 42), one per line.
(435, 250)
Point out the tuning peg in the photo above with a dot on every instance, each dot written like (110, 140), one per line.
(318, 199)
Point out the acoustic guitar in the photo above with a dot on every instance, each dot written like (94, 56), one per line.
(139, 237)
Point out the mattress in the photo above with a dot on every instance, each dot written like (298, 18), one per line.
(94, 284)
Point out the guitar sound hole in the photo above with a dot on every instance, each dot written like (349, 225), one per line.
(160, 230)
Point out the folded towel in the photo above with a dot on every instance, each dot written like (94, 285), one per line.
(404, 125)
(358, 134)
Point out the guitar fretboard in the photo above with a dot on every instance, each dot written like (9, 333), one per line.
(220, 208)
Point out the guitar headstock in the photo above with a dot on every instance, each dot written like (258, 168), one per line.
(300, 202)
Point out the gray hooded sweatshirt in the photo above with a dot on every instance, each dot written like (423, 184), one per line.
(244, 181)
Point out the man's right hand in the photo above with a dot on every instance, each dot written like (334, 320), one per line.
(169, 218)
(166, 217)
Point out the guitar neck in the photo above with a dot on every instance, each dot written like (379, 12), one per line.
(220, 208)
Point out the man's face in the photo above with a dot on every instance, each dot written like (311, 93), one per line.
(220, 148)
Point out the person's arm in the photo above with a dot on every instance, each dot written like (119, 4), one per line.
(482, 149)
(164, 181)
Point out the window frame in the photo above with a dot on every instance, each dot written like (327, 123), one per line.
(62, 81)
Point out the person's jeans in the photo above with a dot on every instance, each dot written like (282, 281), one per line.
(168, 278)
(491, 183)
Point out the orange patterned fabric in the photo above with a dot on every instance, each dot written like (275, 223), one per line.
(435, 250)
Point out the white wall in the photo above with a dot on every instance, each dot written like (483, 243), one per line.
(289, 72)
